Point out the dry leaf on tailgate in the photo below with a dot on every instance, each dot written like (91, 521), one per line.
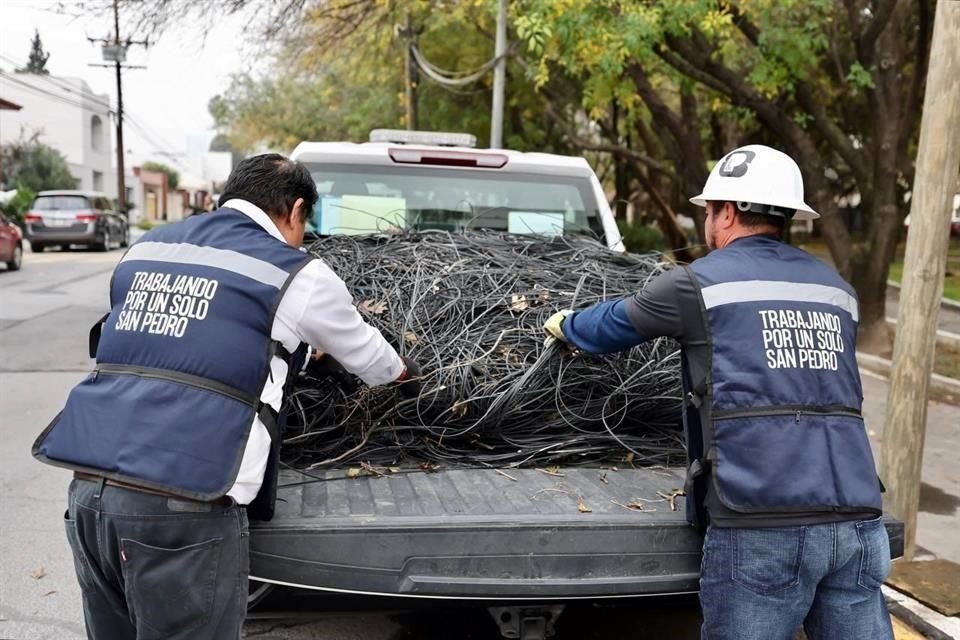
(372, 307)
(459, 408)
(554, 468)
(410, 338)
(519, 303)
(39, 574)
(353, 472)
(636, 506)
(582, 507)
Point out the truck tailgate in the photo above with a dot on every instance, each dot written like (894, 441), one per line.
(477, 533)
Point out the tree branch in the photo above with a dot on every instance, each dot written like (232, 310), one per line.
(921, 60)
(586, 145)
(882, 12)
(834, 135)
(853, 20)
(661, 113)
(574, 137)
(697, 53)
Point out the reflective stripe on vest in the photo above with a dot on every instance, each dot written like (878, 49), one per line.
(781, 291)
(182, 360)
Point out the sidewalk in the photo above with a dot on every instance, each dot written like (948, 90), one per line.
(939, 516)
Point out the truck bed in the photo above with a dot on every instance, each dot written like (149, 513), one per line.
(476, 533)
(479, 534)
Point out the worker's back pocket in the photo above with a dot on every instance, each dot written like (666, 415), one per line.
(875, 554)
(170, 591)
(768, 560)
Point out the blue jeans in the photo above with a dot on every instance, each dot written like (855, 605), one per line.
(156, 568)
(763, 584)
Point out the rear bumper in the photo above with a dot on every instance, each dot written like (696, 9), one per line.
(86, 236)
(522, 562)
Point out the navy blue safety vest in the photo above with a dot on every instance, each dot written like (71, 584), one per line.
(778, 420)
(182, 361)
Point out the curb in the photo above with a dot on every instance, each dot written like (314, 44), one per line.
(929, 623)
(946, 302)
(948, 338)
(941, 387)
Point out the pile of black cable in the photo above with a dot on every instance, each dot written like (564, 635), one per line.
(470, 309)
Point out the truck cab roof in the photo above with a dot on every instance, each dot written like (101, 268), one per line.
(413, 160)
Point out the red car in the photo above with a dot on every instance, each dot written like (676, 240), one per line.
(11, 244)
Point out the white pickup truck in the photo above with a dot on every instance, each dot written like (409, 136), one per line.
(473, 534)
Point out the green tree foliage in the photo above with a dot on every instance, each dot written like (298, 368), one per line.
(33, 165)
(838, 85)
(173, 176)
(318, 91)
(37, 62)
(17, 206)
(652, 92)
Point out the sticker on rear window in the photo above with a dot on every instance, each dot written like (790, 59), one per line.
(536, 223)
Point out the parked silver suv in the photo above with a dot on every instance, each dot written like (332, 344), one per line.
(66, 218)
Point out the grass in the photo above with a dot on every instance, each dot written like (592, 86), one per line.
(951, 282)
(947, 362)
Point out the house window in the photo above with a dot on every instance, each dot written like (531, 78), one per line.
(98, 181)
(96, 133)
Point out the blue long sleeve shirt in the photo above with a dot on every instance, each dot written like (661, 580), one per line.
(668, 306)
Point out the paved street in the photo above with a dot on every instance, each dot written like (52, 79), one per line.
(947, 320)
(45, 312)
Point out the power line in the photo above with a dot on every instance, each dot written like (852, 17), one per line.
(36, 89)
(92, 97)
(437, 75)
(157, 147)
(157, 144)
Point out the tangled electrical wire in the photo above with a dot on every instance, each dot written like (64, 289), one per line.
(470, 308)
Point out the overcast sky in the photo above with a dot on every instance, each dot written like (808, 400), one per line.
(186, 66)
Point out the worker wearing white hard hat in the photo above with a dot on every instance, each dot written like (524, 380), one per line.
(780, 471)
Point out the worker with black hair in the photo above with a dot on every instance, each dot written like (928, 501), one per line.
(176, 433)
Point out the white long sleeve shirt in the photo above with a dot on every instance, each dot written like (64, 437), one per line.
(316, 309)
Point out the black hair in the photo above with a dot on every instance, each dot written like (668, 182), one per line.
(273, 183)
(751, 220)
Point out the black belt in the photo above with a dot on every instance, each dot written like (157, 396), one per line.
(224, 501)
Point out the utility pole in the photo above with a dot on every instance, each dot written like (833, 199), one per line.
(121, 178)
(938, 161)
(115, 50)
(411, 74)
(499, 78)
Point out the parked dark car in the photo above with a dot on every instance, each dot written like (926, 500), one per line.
(11, 244)
(65, 218)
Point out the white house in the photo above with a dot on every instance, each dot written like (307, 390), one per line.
(70, 117)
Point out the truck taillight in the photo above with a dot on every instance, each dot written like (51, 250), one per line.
(86, 216)
(32, 217)
(447, 158)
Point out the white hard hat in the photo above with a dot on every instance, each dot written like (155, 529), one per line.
(761, 176)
